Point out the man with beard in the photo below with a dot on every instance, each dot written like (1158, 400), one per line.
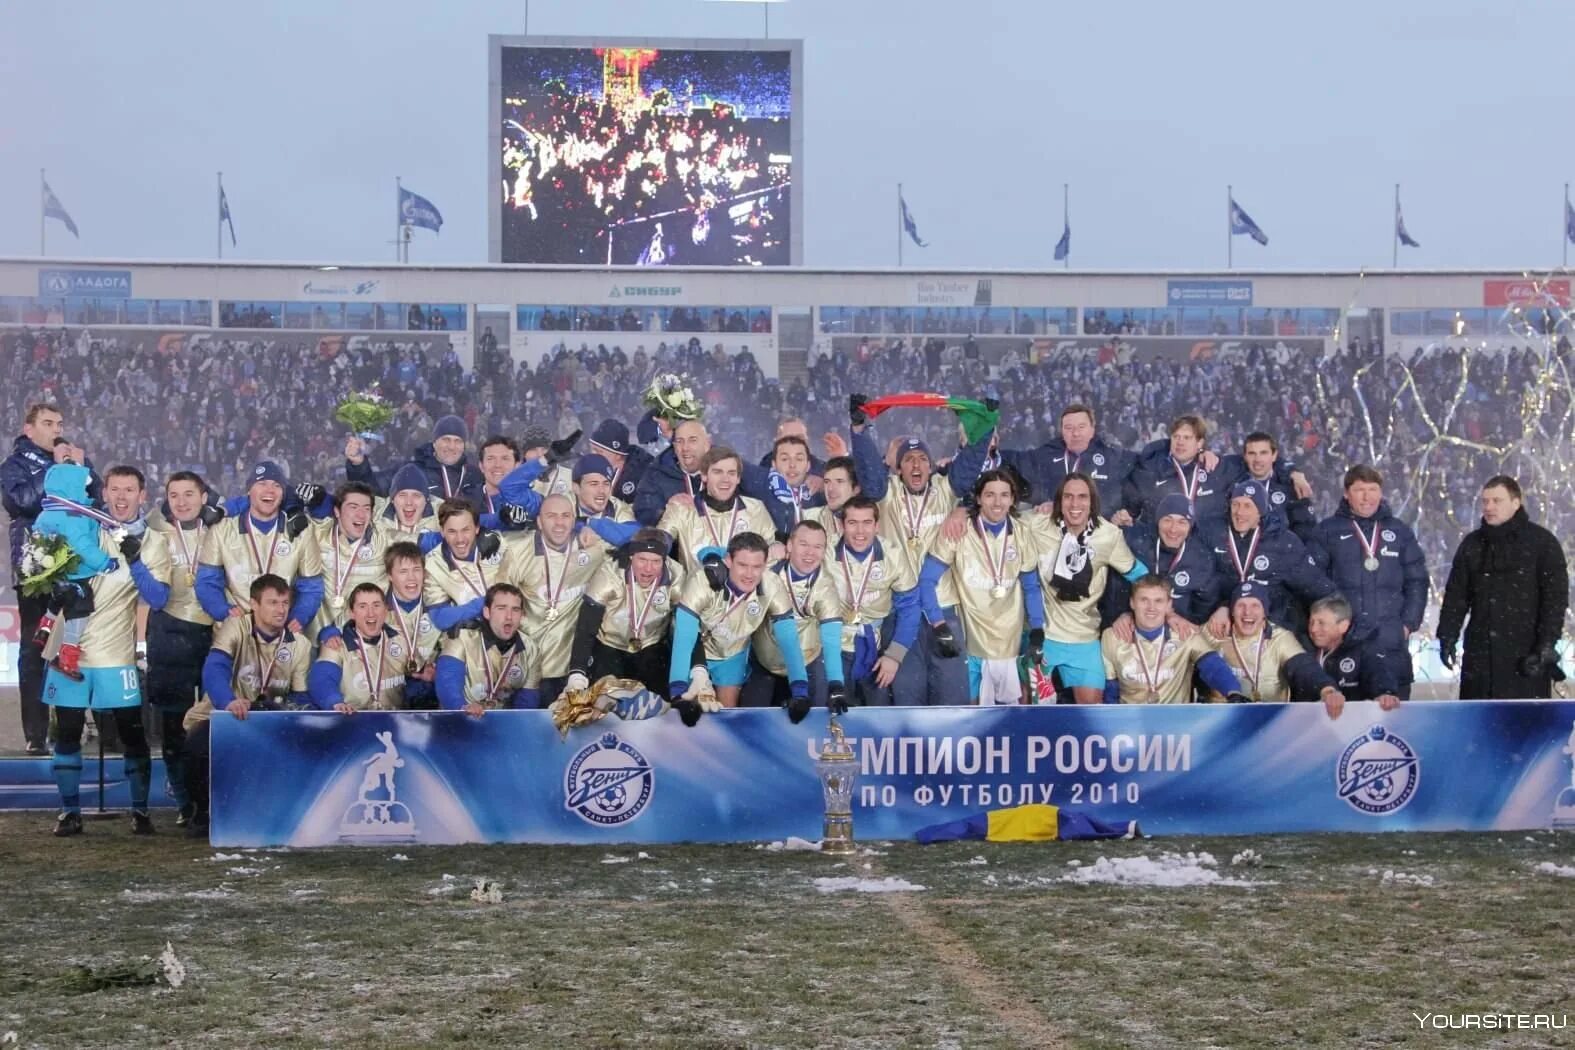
(462, 568)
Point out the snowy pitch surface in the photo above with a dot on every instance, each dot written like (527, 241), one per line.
(1261, 942)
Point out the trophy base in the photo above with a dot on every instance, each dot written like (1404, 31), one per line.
(837, 835)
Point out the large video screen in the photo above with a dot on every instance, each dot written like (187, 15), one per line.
(646, 156)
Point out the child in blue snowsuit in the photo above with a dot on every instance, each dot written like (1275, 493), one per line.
(72, 601)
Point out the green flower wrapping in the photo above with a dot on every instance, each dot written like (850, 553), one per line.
(46, 561)
(365, 414)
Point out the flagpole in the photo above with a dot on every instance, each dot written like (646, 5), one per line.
(1230, 243)
(1394, 263)
(1066, 222)
(1564, 226)
(219, 226)
(397, 223)
(899, 225)
(42, 182)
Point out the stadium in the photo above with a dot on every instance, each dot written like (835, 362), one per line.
(644, 638)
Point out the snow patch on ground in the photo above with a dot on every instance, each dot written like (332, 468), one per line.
(613, 858)
(1404, 878)
(890, 884)
(217, 894)
(1168, 869)
(1564, 871)
(1247, 858)
(793, 842)
(218, 857)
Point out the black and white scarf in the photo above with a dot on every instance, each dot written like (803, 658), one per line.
(1074, 565)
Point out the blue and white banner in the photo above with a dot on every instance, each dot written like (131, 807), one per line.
(99, 284)
(327, 779)
(1208, 293)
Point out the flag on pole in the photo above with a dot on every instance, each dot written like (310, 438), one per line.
(224, 215)
(1569, 221)
(416, 210)
(53, 209)
(908, 223)
(1241, 223)
(1400, 230)
(977, 417)
(1063, 247)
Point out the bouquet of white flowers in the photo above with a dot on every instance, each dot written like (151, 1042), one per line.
(365, 413)
(670, 397)
(46, 561)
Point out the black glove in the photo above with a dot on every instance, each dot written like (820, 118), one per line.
(945, 640)
(210, 514)
(993, 404)
(715, 573)
(1237, 698)
(1536, 664)
(515, 515)
(1036, 646)
(688, 710)
(797, 708)
(1446, 653)
(488, 544)
(296, 523)
(562, 449)
(837, 698)
(131, 548)
(856, 403)
(309, 494)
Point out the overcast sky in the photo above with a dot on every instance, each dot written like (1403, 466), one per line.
(1313, 110)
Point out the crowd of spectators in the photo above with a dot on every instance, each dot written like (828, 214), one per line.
(220, 404)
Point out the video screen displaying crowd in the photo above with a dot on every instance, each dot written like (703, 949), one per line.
(533, 536)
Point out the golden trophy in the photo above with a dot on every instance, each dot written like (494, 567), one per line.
(837, 768)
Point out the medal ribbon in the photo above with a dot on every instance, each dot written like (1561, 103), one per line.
(997, 570)
(732, 521)
(503, 674)
(1243, 565)
(273, 548)
(374, 686)
(459, 570)
(185, 552)
(1256, 674)
(1152, 681)
(856, 598)
(637, 620)
(341, 579)
(265, 673)
(914, 520)
(1368, 548)
(1174, 561)
(411, 637)
(548, 589)
(802, 611)
(1187, 490)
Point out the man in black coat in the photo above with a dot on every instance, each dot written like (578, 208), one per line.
(1510, 578)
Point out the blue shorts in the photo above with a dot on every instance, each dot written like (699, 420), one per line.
(1080, 663)
(731, 671)
(101, 688)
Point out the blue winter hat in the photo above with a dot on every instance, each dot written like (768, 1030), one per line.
(1175, 503)
(268, 470)
(409, 476)
(451, 427)
(913, 444)
(612, 435)
(592, 463)
(1250, 589)
(1253, 490)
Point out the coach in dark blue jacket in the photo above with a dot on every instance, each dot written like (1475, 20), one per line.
(1255, 544)
(1172, 548)
(1350, 656)
(39, 447)
(1079, 450)
(1376, 564)
(677, 472)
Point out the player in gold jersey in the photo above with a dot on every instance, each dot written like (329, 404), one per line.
(407, 614)
(817, 617)
(461, 568)
(701, 526)
(1156, 666)
(492, 664)
(625, 613)
(256, 661)
(259, 542)
(180, 634)
(994, 572)
(408, 513)
(366, 671)
(839, 483)
(109, 680)
(880, 601)
(715, 623)
(1262, 655)
(551, 570)
(352, 545)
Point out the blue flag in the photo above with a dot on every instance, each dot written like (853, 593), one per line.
(224, 215)
(1569, 222)
(908, 223)
(416, 210)
(53, 209)
(1241, 222)
(1400, 231)
(1063, 247)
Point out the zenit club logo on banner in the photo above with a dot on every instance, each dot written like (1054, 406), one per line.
(609, 782)
(1378, 772)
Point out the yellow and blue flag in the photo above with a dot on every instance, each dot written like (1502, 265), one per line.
(1030, 823)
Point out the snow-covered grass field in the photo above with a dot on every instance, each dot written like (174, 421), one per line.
(1263, 942)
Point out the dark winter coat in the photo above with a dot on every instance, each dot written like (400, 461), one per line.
(464, 478)
(1359, 667)
(22, 479)
(1392, 599)
(1045, 466)
(1192, 576)
(663, 478)
(1281, 563)
(1509, 588)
